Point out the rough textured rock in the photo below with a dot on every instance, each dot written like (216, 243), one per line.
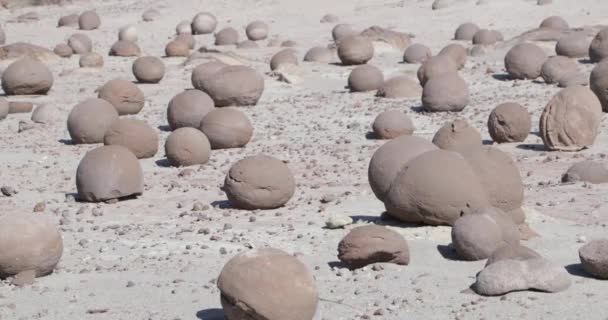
(457, 134)
(28, 242)
(90, 119)
(506, 276)
(354, 50)
(574, 45)
(587, 171)
(128, 33)
(227, 128)
(188, 108)
(89, 20)
(428, 191)
(227, 36)
(571, 119)
(109, 172)
(399, 87)
(594, 258)
(525, 61)
(285, 56)
(477, 236)
(365, 245)
(319, 54)
(512, 252)
(124, 95)
(186, 147)
(598, 82)
(27, 76)
(390, 158)
(436, 66)
(148, 69)
(259, 182)
(80, 43)
(267, 284)
(221, 89)
(466, 31)
(135, 135)
(257, 30)
(123, 48)
(417, 53)
(557, 67)
(391, 124)
(204, 23)
(598, 50)
(509, 122)
(446, 92)
(90, 60)
(365, 78)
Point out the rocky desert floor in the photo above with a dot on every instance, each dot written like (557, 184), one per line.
(154, 257)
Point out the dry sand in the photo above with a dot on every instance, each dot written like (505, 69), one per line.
(155, 258)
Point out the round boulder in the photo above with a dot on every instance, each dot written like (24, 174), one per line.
(70, 20)
(204, 23)
(417, 53)
(124, 95)
(399, 87)
(512, 252)
(457, 52)
(319, 54)
(342, 31)
(89, 120)
(285, 56)
(257, 30)
(466, 31)
(188, 108)
(204, 71)
(485, 37)
(587, 171)
(594, 258)
(80, 43)
(224, 93)
(525, 61)
(555, 68)
(227, 128)
(259, 182)
(187, 147)
(135, 135)
(555, 22)
(365, 78)
(148, 69)
(456, 135)
(127, 33)
(227, 36)
(447, 92)
(509, 122)
(150, 15)
(27, 76)
(598, 50)
(123, 48)
(391, 124)
(575, 45)
(89, 20)
(365, 245)
(63, 50)
(436, 66)
(598, 82)
(355, 50)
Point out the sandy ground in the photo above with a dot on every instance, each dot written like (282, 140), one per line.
(155, 258)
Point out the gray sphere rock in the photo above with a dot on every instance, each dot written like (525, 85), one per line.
(554, 22)
(27, 76)
(257, 30)
(227, 36)
(109, 172)
(187, 39)
(205, 71)
(204, 23)
(128, 33)
(224, 93)
(227, 128)
(355, 50)
(89, 120)
(447, 92)
(436, 66)
(319, 54)
(365, 78)
(594, 258)
(28, 242)
(525, 61)
(63, 50)
(285, 56)
(70, 20)
(135, 135)
(89, 20)
(342, 31)
(80, 43)
(188, 108)
(457, 52)
(124, 95)
(587, 171)
(457, 134)
(259, 182)
(330, 18)
(598, 82)
(557, 67)
(184, 27)
(90, 60)
(187, 147)
(148, 69)
(466, 31)
(575, 45)
(123, 48)
(267, 284)
(391, 124)
(417, 53)
(485, 37)
(598, 50)
(177, 48)
(399, 87)
(509, 122)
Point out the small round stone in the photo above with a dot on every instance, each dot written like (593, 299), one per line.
(90, 60)
(204, 23)
(80, 43)
(399, 87)
(416, 53)
(525, 61)
(555, 22)
(150, 15)
(89, 20)
(447, 92)
(457, 134)
(148, 69)
(187, 147)
(509, 122)
(63, 50)
(466, 31)
(594, 258)
(127, 33)
(391, 124)
(285, 56)
(27, 76)
(575, 45)
(598, 50)
(227, 128)
(221, 89)
(319, 54)
(354, 50)
(135, 135)
(124, 95)
(365, 78)
(177, 48)
(123, 48)
(188, 108)
(227, 36)
(257, 30)
(204, 71)
(485, 37)
(89, 120)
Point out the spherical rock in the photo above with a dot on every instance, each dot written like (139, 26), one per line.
(369, 244)
(259, 182)
(177, 48)
(4, 108)
(365, 78)
(319, 54)
(91, 60)
(499, 176)
(576, 78)
(135, 135)
(512, 252)
(70, 20)
(509, 122)
(124, 95)
(587, 171)
(80, 43)
(390, 158)
(204, 71)
(150, 15)
(63, 50)
(575, 45)
(285, 56)
(557, 67)
(466, 31)
(525, 61)
(127, 33)
(204, 23)
(428, 191)
(354, 50)
(257, 30)
(187, 38)
(485, 37)
(123, 48)
(457, 134)
(416, 53)
(571, 119)
(477, 236)
(227, 128)
(399, 87)
(598, 82)
(43, 114)
(184, 27)
(267, 284)
(148, 69)
(457, 52)
(447, 92)
(89, 20)
(391, 124)
(90, 119)
(188, 108)
(555, 22)
(187, 147)
(224, 93)
(598, 50)
(227, 36)
(27, 76)
(342, 31)
(436, 66)
(109, 172)
(594, 258)
(28, 242)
